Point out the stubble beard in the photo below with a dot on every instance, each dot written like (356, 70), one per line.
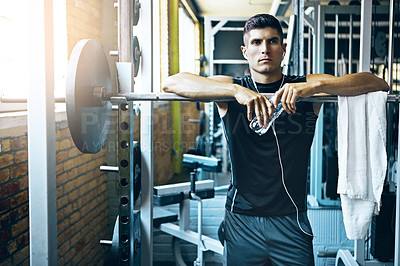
(268, 70)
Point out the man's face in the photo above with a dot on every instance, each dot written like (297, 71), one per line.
(263, 50)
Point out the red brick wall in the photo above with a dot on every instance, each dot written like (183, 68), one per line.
(14, 208)
(83, 21)
(82, 203)
(163, 145)
(163, 168)
(189, 129)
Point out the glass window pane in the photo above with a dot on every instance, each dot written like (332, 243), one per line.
(186, 43)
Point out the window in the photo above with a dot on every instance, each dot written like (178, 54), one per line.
(13, 56)
(13, 52)
(187, 49)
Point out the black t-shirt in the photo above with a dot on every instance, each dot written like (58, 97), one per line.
(256, 181)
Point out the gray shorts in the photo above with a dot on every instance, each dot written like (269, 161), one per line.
(253, 240)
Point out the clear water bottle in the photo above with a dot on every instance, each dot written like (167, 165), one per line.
(255, 126)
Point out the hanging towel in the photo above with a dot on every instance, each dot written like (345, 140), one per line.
(362, 159)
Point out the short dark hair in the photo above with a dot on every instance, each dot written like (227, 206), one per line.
(261, 21)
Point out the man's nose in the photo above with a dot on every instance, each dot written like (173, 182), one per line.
(265, 47)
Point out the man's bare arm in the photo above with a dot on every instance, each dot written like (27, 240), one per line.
(347, 85)
(197, 87)
(194, 86)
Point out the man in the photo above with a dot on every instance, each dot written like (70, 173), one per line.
(265, 221)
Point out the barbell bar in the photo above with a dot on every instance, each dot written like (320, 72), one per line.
(117, 98)
(7, 99)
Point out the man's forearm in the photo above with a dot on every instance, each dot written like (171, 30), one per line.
(349, 85)
(197, 87)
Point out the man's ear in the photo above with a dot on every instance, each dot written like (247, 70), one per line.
(244, 50)
(284, 49)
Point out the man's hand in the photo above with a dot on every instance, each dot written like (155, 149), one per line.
(262, 107)
(289, 93)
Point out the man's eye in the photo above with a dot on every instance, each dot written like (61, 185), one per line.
(256, 42)
(273, 41)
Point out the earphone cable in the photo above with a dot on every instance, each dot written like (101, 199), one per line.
(283, 182)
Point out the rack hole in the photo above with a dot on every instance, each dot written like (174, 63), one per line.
(124, 256)
(124, 182)
(124, 125)
(124, 238)
(124, 107)
(124, 144)
(124, 200)
(124, 219)
(124, 163)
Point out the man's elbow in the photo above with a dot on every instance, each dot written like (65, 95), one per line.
(385, 86)
(168, 84)
(379, 84)
(382, 85)
(165, 86)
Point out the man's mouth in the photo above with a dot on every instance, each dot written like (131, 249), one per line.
(265, 60)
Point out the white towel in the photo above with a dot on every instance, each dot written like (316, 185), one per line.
(362, 159)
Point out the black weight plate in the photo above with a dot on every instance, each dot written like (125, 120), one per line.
(135, 12)
(136, 55)
(137, 171)
(115, 241)
(88, 122)
(202, 123)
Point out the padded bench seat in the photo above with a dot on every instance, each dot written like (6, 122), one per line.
(176, 193)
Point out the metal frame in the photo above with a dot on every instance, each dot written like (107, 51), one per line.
(397, 225)
(182, 231)
(41, 136)
(390, 69)
(146, 130)
(343, 256)
(317, 24)
(289, 49)
(298, 41)
(365, 60)
(126, 183)
(364, 65)
(125, 140)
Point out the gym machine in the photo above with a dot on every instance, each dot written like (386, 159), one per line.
(183, 193)
(318, 19)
